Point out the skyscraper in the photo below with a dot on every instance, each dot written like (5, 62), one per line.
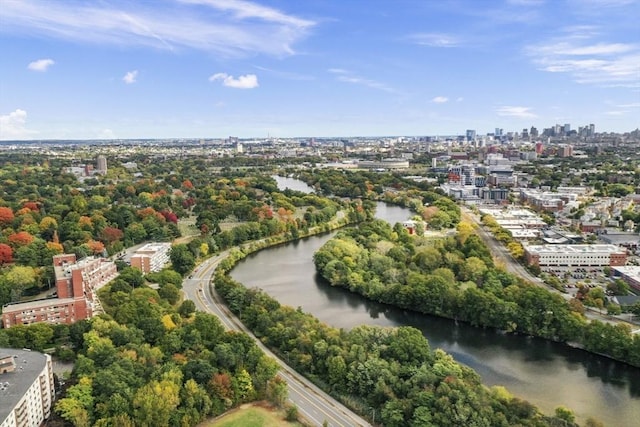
(471, 134)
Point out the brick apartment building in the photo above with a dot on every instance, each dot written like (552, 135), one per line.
(76, 286)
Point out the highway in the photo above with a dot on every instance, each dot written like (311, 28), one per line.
(314, 405)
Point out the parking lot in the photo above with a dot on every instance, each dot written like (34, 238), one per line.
(573, 277)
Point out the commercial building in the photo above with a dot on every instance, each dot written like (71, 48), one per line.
(385, 164)
(151, 257)
(630, 274)
(27, 389)
(575, 255)
(76, 285)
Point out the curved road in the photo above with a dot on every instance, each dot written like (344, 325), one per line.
(313, 404)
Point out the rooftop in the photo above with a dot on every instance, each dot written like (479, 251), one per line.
(13, 385)
(632, 271)
(153, 247)
(38, 303)
(574, 249)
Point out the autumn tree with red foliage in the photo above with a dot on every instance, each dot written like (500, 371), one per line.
(32, 206)
(6, 254)
(188, 202)
(22, 238)
(6, 215)
(170, 216)
(111, 234)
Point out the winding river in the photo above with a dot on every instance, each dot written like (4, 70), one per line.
(545, 373)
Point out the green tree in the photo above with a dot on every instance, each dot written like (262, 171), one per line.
(243, 386)
(187, 308)
(77, 406)
(20, 278)
(170, 293)
(182, 259)
(154, 402)
(277, 391)
(565, 414)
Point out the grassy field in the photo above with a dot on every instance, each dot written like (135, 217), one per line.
(250, 416)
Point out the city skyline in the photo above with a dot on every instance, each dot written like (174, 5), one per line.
(211, 68)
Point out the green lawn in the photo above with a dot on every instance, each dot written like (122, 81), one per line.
(250, 416)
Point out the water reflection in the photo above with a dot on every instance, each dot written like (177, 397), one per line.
(547, 374)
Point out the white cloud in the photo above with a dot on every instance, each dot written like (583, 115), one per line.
(228, 28)
(587, 60)
(632, 105)
(460, 99)
(41, 65)
(248, 81)
(519, 112)
(130, 77)
(617, 113)
(440, 99)
(285, 74)
(13, 126)
(435, 39)
(106, 134)
(348, 77)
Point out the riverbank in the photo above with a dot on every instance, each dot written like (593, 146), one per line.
(544, 372)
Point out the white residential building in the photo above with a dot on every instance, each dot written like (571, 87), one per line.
(27, 390)
(151, 257)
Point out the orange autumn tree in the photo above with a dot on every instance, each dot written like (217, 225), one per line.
(94, 247)
(21, 238)
(6, 254)
(6, 215)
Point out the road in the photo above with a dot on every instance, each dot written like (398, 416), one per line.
(313, 404)
(499, 251)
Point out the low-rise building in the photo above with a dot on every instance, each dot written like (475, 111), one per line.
(76, 285)
(151, 257)
(630, 274)
(27, 388)
(575, 255)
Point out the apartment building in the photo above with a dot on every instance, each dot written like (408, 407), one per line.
(27, 389)
(76, 285)
(151, 257)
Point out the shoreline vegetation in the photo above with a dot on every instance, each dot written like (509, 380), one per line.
(385, 374)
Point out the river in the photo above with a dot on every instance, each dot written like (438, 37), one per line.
(545, 373)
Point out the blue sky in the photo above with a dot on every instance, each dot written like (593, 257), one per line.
(213, 68)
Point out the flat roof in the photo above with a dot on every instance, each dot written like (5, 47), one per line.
(37, 303)
(573, 249)
(632, 271)
(154, 247)
(13, 385)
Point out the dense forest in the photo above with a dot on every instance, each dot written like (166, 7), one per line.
(151, 360)
(455, 277)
